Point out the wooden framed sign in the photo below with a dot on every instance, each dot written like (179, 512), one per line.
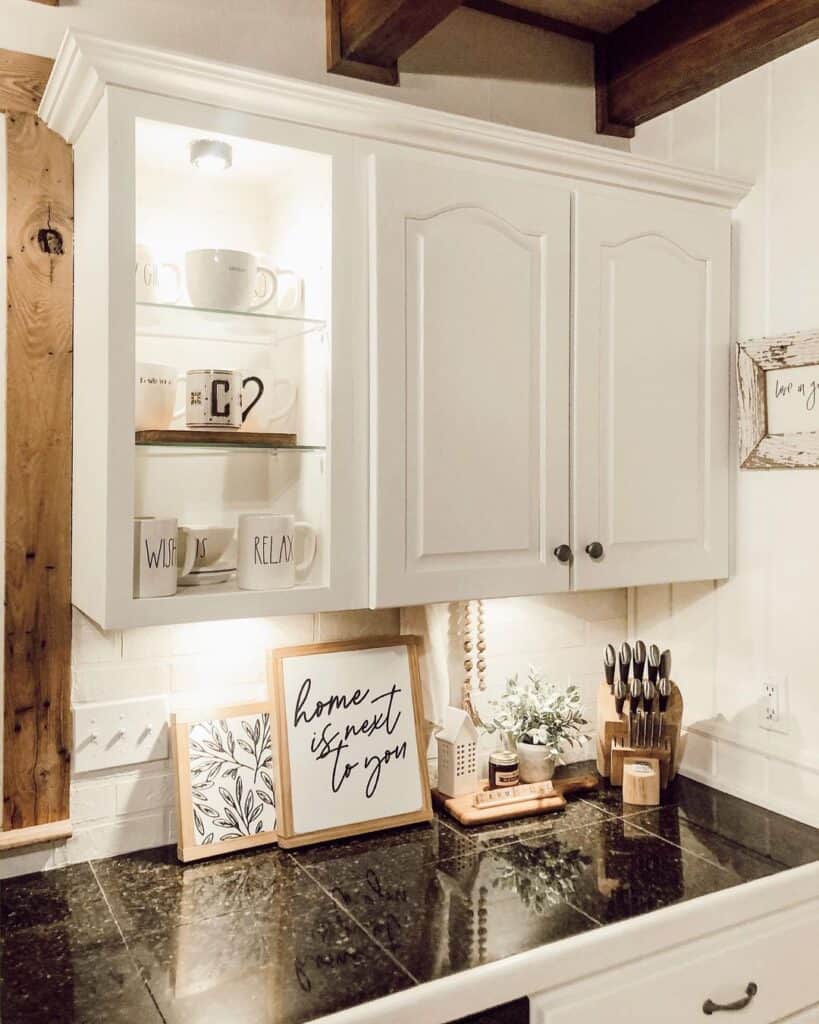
(226, 795)
(349, 738)
(778, 388)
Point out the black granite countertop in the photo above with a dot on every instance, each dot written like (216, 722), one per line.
(282, 938)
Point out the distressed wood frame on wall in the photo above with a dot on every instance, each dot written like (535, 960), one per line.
(37, 677)
(758, 449)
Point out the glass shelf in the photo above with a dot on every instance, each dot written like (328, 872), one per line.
(157, 320)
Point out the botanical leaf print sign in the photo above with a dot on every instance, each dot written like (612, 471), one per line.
(351, 737)
(231, 765)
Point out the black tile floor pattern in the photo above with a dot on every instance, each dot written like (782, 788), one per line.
(285, 937)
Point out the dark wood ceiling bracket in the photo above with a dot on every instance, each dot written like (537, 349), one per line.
(601, 94)
(677, 50)
(365, 38)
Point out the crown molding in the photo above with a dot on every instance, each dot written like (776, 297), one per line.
(87, 64)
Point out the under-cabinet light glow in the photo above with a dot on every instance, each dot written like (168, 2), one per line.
(211, 155)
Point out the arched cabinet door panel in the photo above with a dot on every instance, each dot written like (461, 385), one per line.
(651, 455)
(469, 293)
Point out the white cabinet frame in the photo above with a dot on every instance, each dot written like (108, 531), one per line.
(104, 451)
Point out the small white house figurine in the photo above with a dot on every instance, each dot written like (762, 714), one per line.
(457, 754)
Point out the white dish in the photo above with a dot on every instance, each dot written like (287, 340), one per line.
(219, 573)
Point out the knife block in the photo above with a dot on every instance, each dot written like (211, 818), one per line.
(611, 727)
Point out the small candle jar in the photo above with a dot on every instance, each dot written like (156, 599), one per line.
(504, 769)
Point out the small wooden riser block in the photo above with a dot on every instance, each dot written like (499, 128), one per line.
(641, 781)
(620, 755)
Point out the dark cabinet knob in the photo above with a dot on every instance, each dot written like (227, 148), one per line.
(595, 550)
(563, 553)
(709, 1006)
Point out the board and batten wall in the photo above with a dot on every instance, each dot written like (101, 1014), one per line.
(729, 637)
(471, 64)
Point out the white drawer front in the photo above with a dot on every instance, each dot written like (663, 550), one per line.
(777, 953)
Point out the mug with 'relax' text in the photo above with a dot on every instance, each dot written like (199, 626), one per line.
(267, 551)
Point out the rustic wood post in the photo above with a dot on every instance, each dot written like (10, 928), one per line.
(37, 684)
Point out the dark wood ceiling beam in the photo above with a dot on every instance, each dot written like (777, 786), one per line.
(677, 50)
(365, 38)
(508, 11)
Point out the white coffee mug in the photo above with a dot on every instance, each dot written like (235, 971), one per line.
(277, 400)
(215, 398)
(155, 552)
(152, 284)
(202, 547)
(227, 279)
(266, 557)
(154, 396)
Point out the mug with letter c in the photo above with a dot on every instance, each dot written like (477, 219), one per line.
(267, 559)
(155, 549)
(214, 398)
(276, 401)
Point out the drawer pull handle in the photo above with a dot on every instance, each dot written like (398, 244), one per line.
(709, 1006)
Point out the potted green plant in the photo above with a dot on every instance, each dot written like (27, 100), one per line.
(542, 718)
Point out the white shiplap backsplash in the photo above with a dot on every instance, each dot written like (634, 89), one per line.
(133, 807)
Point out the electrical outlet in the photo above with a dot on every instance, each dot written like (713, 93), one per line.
(773, 714)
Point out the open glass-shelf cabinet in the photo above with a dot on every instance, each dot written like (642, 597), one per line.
(220, 366)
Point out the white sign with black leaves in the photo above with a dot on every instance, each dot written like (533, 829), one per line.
(350, 739)
(232, 794)
(225, 779)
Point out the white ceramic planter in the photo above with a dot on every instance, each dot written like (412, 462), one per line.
(535, 764)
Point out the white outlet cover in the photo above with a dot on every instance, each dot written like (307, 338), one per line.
(114, 733)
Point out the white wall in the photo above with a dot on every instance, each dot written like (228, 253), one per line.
(729, 637)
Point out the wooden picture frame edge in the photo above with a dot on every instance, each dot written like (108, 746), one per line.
(287, 839)
(186, 849)
(757, 448)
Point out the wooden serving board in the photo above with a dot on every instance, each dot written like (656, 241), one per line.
(207, 436)
(464, 811)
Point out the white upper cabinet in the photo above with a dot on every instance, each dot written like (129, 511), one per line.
(469, 354)
(548, 344)
(650, 413)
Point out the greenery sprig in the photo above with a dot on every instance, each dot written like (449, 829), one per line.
(540, 712)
